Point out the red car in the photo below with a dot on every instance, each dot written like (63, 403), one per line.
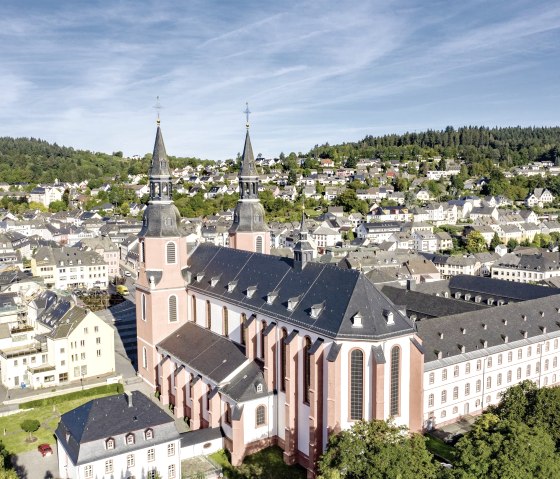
(45, 450)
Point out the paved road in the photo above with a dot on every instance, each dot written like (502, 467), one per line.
(31, 465)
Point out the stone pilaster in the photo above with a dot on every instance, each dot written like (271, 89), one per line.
(315, 407)
(269, 356)
(165, 383)
(333, 389)
(290, 407)
(180, 382)
(199, 390)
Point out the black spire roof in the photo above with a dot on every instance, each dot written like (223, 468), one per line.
(248, 166)
(160, 163)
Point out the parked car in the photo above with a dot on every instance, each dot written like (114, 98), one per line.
(45, 450)
(127, 273)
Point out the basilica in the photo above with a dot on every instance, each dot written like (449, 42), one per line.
(278, 351)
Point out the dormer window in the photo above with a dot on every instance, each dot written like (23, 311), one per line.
(259, 388)
(110, 443)
(231, 286)
(357, 320)
(292, 303)
(130, 439)
(199, 277)
(214, 281)
(316, 310)
(251, 291)
(271, 297)
(148, 434)
(389, 316)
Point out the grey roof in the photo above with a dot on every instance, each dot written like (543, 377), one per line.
(243, 387)
(426, 305)
(82, 431)
(208, 353)
(200, 436)
(498, 288)
(345, 292)
(160, 164)
(160, 220)
(479, 330)
(248, 166)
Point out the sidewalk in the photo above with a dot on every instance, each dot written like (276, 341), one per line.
(18, 396)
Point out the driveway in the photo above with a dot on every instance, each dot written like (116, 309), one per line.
(31, 465)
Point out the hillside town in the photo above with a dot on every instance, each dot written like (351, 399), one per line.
(413, 287)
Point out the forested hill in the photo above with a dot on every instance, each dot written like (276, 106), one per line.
(510, 146)
(31, 160)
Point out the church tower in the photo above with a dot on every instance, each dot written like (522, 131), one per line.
(304, 251)
(249, 231)
(160, 288)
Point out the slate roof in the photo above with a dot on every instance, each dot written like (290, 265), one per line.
(200, 436)
(345, 292)
(428, 306)
(497, 287)
(82, 431)
(243, 387)
(208, 353)
(496, 326)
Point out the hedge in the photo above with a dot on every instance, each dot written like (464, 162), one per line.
(105, 389)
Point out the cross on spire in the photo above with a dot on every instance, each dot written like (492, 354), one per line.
(247, 113)
(158, 107)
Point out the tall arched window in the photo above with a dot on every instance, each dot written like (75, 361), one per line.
(395, 380)
(356, 384)
(243, 329)
(259, 244)
(172, 308)
(225, 322)
(143, 306)
(193, 308)
(208, 315)
(263, 328)
(227, 415)
(261, 415)
(143, 251)
(306, 369)
(171, 253)
(283, 358)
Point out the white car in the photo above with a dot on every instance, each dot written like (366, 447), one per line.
(127, 273)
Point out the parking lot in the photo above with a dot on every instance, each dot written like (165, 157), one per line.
(32, 465)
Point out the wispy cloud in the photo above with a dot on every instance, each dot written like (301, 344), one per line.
(313, 71)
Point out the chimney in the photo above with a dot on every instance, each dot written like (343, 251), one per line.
(410, 284)
(128, 395)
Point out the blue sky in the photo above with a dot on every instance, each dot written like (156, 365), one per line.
(86, 74)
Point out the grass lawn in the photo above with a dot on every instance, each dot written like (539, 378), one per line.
(265, 464)
(13, 437)
(437, 446)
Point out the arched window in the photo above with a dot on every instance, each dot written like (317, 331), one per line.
(259, 248)
(143, 251)
(431, 378)
(171, 253)
(430, 400)
(144, 358)
(208, 392)
(395, 380)
(263, 328)
(261, 415)
(110, 443)
(455, 393)
(283, 359)
(208, 315)
(306, 369)
(225, 322)
(172, 308)
(467, 389)
(356, 384)
(227, 415)
(193, 307)
(243, 329)
(143, 306)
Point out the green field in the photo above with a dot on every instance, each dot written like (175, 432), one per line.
(14, 438)
(440, 448)
(266, 464)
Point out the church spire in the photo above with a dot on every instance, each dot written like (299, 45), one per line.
(249, 230)
(303, 250)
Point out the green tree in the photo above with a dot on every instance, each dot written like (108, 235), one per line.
(475, 242)
(55, 206)
(512, 244)
(505, 449)
(495, 241)
(30, 426)
(377, 449)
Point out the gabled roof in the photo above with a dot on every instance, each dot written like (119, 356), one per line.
(208, 353)
(345, 292)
